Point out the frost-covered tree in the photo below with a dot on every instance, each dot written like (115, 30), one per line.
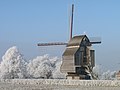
(40, 67)
(13, 65)
(106, 75)
(45, 67)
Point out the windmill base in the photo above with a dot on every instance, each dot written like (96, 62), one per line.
(78, 77)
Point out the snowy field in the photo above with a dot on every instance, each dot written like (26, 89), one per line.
(58, 84)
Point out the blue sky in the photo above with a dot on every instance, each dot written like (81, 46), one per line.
(24, 23)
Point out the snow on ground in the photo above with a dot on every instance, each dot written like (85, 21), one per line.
(63, 82)
(58, 84)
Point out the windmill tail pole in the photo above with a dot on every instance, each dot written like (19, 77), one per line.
(71, 22)
(51, 44)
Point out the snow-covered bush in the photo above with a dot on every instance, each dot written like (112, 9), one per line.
(13, 65)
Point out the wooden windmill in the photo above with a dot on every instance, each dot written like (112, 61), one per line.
(78, 58)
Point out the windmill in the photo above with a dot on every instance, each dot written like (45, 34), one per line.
(78, 58)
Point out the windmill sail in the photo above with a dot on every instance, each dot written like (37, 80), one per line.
(52, 44)
(71, 22)
(61, 43)
(95, 40)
